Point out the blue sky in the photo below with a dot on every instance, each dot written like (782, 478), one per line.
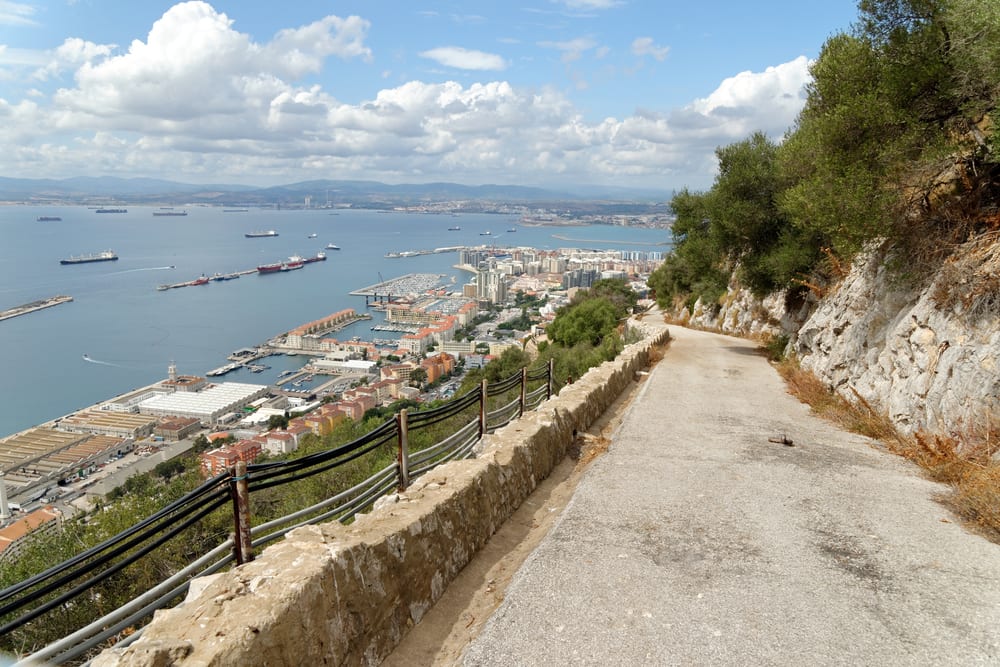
(557, 93)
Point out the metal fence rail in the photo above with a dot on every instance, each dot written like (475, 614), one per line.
(457, 427)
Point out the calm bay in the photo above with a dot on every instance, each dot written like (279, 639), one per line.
(129, 332)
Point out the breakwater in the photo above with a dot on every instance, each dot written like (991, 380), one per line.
(41, 304)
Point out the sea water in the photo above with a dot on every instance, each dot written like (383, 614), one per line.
(120, 332)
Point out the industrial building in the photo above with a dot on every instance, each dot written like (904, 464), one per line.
(213, 405)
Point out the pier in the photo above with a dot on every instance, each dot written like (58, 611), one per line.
(33, 306)
(411, 283)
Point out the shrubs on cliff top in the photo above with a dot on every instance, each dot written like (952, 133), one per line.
(887, 106)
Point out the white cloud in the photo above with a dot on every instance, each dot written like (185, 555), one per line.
(591, 4)
(71, 54)
(459, 58)
(16, 13)
(768, 100)
(198, 100)
(644, 46)
(195, 73)
(572, 49)
(22, 57)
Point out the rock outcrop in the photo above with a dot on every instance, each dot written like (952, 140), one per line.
(927, 356)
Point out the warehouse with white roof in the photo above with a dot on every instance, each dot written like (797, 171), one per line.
(209, 406)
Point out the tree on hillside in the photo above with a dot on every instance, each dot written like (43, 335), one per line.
(418, 376)
(586, 322)
(615, 290)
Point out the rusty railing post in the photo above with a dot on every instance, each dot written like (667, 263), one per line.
(403, 460)
(552, 374)
(240, 493)
(482, 408)
(524, 390)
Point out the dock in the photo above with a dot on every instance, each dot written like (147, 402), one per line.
(33, 306)
(410, 284)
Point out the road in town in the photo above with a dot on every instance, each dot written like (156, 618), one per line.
(697, 540)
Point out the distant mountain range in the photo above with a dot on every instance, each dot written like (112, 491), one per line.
(320, 192)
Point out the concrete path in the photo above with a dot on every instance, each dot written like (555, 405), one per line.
(696, 541)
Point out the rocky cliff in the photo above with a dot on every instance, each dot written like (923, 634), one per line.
(926, 354)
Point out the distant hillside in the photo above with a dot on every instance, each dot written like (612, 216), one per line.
(371, 194)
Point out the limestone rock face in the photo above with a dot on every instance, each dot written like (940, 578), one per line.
(926, 356)
(743, 314)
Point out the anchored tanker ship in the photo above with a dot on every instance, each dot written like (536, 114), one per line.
(106, 256)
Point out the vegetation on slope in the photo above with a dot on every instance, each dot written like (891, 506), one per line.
(897, 142)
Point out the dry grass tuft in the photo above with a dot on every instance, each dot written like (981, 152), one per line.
(965, 462)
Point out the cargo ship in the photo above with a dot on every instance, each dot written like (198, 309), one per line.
(177, 213)
(259, 235)
(273, 267)
(290, 264)
(294, 262)
(106, 256)
(49, 218)
(318, 257)
(112, 210)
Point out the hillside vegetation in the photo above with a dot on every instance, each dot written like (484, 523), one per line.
(897, 149)
(897, 143)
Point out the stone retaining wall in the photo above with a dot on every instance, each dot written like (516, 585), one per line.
(345, 595)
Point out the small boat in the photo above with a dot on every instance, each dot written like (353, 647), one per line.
(455, 229)
(486, 233)
(512, 230)
(313, 235)
(332, 246)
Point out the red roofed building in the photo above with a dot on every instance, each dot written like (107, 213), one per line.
(280, 442)
(219, 460)
(438, 365)
(46, 518)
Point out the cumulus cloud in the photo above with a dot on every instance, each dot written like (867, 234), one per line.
(194, 68)
(768, 100)
(16, 13)
(459, 58)
(644, 46)
(71, 54)
(201, 100)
